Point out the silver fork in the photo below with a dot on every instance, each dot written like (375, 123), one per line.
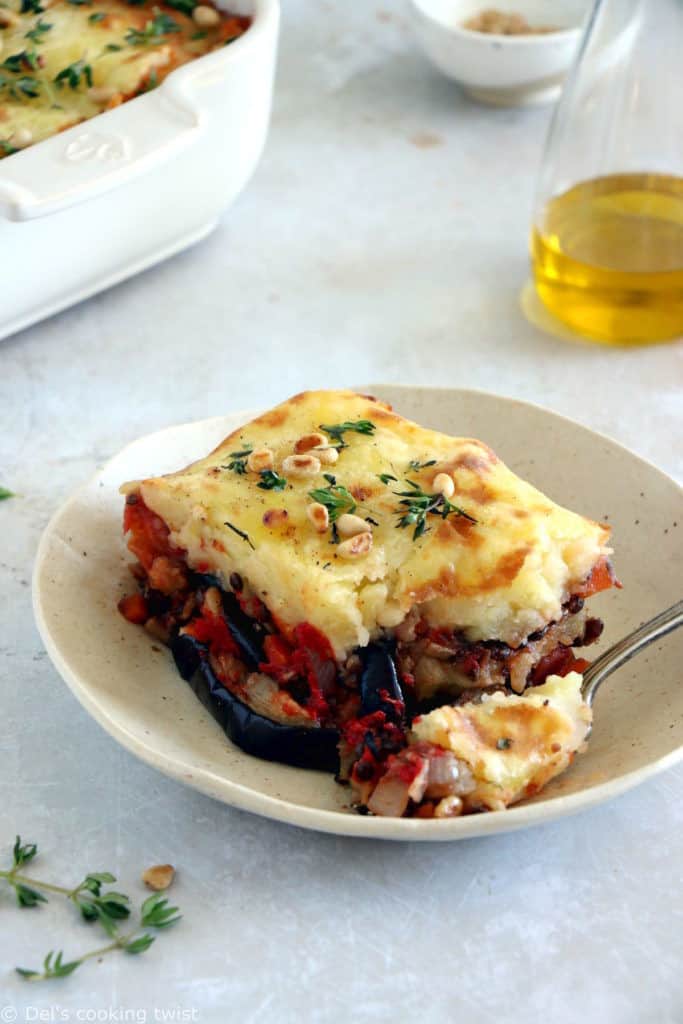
(625, 649)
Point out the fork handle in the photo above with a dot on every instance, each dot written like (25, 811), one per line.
(666, 622)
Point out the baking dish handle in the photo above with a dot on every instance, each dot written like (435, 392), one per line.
(96, 156)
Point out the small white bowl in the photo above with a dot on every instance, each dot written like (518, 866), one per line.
(496, 69)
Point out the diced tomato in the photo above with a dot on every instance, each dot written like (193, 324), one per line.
(213, 630)
(311, 638)
(278, 654)
(580, 665)
(601, 578)
(148, 533)
(252, 606)
(133, 607)
(559, 662)
(308, 654)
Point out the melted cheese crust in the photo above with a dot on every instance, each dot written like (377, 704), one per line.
(513, 745)
(501, 578)
(92, 32)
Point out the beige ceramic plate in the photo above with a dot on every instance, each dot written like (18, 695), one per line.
(129, 684)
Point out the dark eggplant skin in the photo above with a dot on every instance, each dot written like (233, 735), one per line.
(378, 673)
(188, 654)
(246, 632)
(298, 746)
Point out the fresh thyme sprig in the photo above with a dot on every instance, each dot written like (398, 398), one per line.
(416, 506)
(4, 493)
(154, 913)
(238, 461)
(336, 498)
(107, 908)
(337, 430)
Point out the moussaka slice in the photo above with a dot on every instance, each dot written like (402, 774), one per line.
(332, 573)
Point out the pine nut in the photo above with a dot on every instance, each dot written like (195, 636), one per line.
(301, 465)
(22, 137)
(159, 877)
(349, 525)
(443, 484)
(319, 516)
(101, 93)
(318, 443)
(355, 547)
(449, 807)
(328, 455)
(205, 17)
(260, 459)
(308, 441)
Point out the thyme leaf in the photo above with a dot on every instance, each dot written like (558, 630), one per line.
(238, 461)
(26, 60)
(156, 913)
(415, 465)
(74, 74)
(40, 29)
(335, 498)
(271, 481)
(184, 6)
(25, 87)
(240, 533)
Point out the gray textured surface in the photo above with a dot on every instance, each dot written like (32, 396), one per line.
(383, 238)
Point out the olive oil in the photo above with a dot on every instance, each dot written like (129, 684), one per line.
(608, 258)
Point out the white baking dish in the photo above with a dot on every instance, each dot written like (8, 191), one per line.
(101, 201)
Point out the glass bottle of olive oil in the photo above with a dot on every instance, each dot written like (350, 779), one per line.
(607, 241)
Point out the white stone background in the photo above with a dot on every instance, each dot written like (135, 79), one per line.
(383, 238)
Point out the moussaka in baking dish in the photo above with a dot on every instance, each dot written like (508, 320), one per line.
(350, 591)
(64, 61)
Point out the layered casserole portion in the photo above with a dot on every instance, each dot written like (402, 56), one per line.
(350, 591)
(64, 61)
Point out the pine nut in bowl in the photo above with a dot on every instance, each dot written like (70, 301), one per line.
(515, 55)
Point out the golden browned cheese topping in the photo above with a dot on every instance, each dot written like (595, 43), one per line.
(488, 553)
(63, 61)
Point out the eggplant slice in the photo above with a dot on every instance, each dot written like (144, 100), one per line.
(379, 674)
(298, 746)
